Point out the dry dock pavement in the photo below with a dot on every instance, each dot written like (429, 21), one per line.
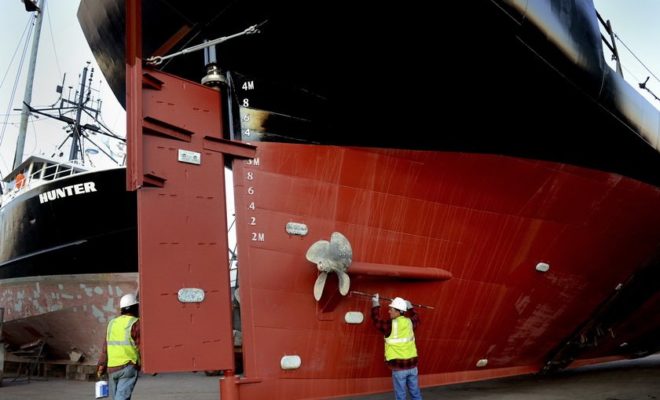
(622, 380)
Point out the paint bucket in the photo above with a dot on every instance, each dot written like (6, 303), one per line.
(101, 389)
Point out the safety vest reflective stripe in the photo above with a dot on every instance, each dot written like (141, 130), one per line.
(400, 340)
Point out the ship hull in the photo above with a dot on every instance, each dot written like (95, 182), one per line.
(503, 179)
(67, 256)
(488, 220)
(70, 312)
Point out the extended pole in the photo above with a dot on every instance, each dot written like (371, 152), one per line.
(363, 294)
(27, 98)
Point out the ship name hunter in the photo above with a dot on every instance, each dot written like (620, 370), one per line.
(72, 190)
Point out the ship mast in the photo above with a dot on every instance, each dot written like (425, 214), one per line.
(77, 130)
(27, 99)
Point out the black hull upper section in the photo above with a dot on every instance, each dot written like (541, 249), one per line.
(84, 223)
(503, 81)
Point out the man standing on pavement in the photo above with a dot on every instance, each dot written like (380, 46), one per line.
(120, 355)
(400, 349)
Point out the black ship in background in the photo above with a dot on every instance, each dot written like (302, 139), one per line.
(68, 248)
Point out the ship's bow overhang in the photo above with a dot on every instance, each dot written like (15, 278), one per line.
(527, 80)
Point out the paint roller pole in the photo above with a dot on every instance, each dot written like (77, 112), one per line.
(363, 294)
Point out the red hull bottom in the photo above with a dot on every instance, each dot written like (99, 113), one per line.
(487, 220)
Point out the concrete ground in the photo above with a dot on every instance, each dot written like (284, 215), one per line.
(623, 380)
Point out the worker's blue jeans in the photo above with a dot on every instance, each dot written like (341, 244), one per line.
(406, 378)
(122, 382)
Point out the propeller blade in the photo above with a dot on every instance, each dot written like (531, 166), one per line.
(318, 251)
(340, 249)
(344, 282)
(319, 285)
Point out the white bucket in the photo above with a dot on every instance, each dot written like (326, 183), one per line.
(101, 389)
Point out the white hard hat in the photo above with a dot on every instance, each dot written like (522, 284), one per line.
(127, 300)
(399, 304)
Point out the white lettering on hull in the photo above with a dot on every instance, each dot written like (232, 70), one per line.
(72, 190)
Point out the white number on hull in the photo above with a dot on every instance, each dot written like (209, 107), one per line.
(250, 176)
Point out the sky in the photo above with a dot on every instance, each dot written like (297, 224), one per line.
(637, 23)
(63, 49)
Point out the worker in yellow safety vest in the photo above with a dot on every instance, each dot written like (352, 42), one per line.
(120, 356)
(400, 349)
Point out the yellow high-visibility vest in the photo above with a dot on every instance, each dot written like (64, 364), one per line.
(401, 342)
(121, 347)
